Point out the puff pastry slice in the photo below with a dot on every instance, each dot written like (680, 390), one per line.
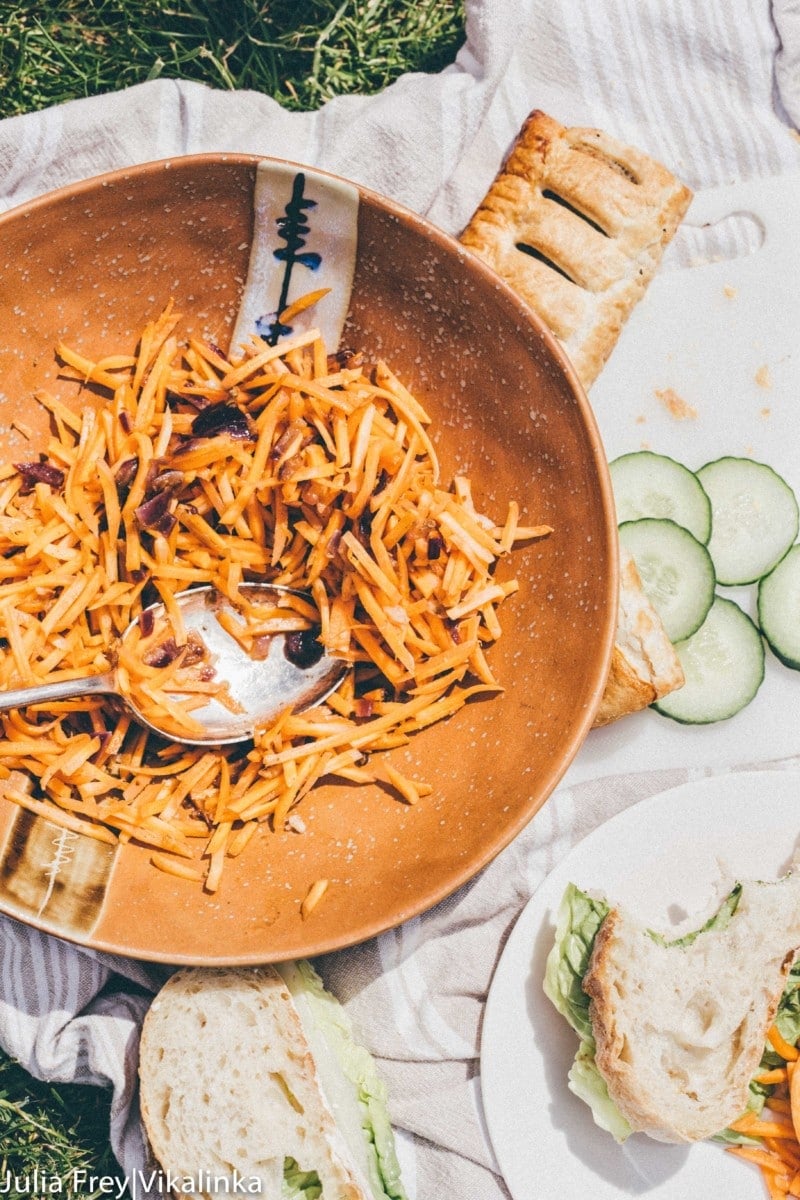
(577, 223)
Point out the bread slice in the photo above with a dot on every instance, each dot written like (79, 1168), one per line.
(576, 222)
(229, 1087)
(680, 1028)
(644, 664)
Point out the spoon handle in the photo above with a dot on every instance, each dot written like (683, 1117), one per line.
(63, 689)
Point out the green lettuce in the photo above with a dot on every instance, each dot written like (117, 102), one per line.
(721, 919)
(299, 1185)
(588, 1085)
(579, 918)
(350, 1077)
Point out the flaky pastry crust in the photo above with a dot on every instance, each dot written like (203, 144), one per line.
(576, 222)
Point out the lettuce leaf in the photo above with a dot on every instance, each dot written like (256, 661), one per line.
(579, 918)
(350, 1079)
(719, 920)
(588, 1084)
(298, 1184)
(787, 1018)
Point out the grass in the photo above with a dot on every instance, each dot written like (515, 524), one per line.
(302, 53)
(60, 1131)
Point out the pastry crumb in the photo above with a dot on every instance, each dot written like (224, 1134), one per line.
(765, 412)
(641, 419)
(675, 405)
(730, 291)
(763, 377)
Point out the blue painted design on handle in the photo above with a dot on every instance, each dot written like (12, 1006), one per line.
(293, 228)
(270, 328)
(309, 223)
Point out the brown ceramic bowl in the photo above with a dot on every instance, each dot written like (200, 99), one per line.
(92, 263)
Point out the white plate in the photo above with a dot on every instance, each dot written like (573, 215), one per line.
(666, 858)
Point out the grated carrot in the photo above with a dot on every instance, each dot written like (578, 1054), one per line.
(330, 485)
(778, 1158)
(787, 1052)
(313, 897)
(777, 1075)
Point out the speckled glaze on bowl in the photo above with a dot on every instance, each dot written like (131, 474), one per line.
(91, 264)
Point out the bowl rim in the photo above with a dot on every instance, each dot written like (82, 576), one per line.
(524, 315)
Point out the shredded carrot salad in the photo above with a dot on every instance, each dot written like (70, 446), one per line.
(778, 1127)
(285, 465)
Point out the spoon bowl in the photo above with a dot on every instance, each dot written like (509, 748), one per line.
(289, 670)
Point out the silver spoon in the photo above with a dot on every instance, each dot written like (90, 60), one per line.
(295, 672)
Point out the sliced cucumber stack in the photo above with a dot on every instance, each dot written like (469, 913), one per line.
(676, 571)
(723, 663)
(733, 522)
(754, 518)
(779, 608)
(653, 485)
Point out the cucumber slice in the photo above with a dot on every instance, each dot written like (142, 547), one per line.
(779, 608)
(677, 573)
(754, 518)
(653, 485)
(724, 667)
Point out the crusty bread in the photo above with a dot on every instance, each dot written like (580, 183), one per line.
(228, 1084)
(577, 223)
(680, 1030)
(644, 664)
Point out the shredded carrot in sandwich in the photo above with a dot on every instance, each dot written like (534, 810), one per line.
(780, 1046)
(778, 1128)
(284, 465)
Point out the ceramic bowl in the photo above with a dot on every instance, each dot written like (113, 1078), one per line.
(90, 265)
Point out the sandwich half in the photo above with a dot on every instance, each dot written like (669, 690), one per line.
(251, 1081)
(673, 1029)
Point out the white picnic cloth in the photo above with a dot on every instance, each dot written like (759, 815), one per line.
(710, 87)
